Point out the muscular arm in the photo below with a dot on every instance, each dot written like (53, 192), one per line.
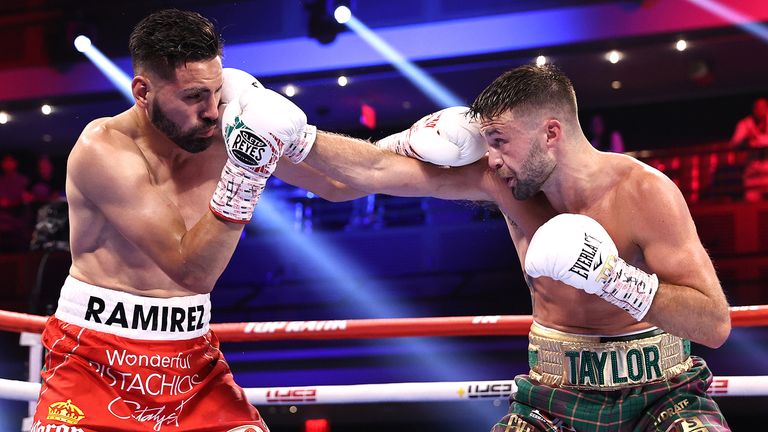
(690, 301)
(366, 168)
(304, 176)
(109, 171)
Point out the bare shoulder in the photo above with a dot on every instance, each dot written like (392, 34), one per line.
(646, 184)
(652, 201)
(104, 135)
(104, 151)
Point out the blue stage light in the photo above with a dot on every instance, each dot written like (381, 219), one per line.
(440, 95)
(119, 79)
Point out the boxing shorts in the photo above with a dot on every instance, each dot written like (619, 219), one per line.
(585, 362)
(121, 362)
(646, 381)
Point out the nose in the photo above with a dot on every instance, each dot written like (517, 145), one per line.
(494, 159)
(211, 109)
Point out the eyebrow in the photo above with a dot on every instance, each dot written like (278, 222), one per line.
(490, 131)
(196, 90)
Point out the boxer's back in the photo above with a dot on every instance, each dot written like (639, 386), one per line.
(101, 254)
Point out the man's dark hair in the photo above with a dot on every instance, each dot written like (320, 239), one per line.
(167, 39)
(526, 87)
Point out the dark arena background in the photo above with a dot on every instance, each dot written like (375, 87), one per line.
(669, 79)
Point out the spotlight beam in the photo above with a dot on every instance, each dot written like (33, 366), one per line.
(439, 94)
(344, 271)
(114, 74)
(365, 294)
(734, 16)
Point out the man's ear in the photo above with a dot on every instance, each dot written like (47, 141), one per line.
(140, 88)
(554, 131)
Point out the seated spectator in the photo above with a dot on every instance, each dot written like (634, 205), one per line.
(45, 187)
(752, 130)
(610, 142)
(15, 223)
(13, 184)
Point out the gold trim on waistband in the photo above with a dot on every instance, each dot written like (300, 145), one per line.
(588, 362)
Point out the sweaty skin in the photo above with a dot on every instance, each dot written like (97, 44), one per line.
(693, 306)
(640, 208)
(138, 203)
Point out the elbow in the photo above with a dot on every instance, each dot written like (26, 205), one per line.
(196, 280)
(720, 331)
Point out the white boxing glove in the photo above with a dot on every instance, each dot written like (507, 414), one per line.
(236, 82)
(256, 126)
(447, 137)
(576, 249)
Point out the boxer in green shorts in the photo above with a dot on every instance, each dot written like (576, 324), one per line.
(611, 384)
(619, 278)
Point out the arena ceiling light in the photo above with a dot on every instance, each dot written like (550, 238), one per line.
(82, 43)
(342, 14)
(290, 90)
(614, 56)
(321, 24)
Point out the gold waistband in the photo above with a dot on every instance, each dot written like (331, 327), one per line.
(587, 362)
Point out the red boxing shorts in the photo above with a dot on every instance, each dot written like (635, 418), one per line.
(121, 362)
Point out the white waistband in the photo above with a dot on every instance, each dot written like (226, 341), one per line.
(133, 316)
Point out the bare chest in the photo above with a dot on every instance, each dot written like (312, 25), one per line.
(618, 222)
(189, 190)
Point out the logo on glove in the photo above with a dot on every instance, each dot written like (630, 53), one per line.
(246, 147)
(583, 264)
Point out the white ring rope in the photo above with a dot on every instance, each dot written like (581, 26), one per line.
(402, 392)
(18, 390)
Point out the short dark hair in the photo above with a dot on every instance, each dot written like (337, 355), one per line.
(526, 86)
(169, 38)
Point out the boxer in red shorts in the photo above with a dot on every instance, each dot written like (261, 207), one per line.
(158, 198)
(121, 361)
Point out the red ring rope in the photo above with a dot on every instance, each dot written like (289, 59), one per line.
(494, 325)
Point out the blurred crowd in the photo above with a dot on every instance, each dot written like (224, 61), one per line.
(27, 183)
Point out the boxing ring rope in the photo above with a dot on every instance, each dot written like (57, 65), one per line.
(491, 325)
(481, 325)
